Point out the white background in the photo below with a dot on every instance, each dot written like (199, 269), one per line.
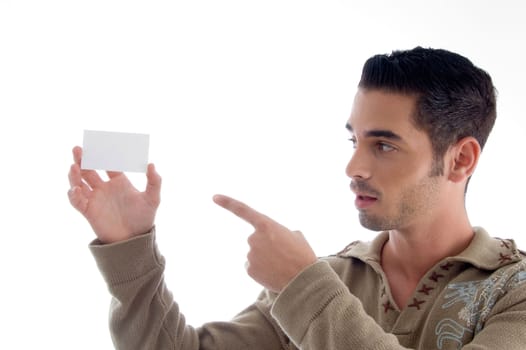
(246, 98)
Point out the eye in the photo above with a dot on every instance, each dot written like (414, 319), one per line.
(385, 147)
(353, 140)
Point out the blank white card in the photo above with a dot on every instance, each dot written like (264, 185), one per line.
(115, 151)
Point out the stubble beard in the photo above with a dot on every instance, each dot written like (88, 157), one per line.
(415, 202)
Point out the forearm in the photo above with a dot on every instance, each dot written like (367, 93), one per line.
(145, 316)
(318, 312)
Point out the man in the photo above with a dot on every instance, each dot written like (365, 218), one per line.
(429, 280)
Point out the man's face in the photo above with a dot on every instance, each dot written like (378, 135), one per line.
(392, 162)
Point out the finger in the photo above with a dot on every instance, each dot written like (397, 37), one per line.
(77, 199)
(74, 176)
(75, 180)
(153, 185)
(77, 154)
(92, 178)
(113, 174)
(242, 210)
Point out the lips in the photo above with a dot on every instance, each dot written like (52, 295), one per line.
(364, 202)
(365, 195)
(365, 198)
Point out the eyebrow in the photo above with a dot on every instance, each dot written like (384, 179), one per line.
(378, 133)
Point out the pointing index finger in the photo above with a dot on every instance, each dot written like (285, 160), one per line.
(241, 210)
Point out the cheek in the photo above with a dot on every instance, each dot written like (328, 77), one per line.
(397, 180)
(413, 169)
(396, 174)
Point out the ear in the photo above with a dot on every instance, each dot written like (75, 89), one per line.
(464, 158)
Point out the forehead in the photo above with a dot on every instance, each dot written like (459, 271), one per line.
(380, 110)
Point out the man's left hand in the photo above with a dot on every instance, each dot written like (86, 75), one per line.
(276, 254)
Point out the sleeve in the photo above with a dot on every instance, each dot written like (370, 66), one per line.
(143, 314)
(334, 318)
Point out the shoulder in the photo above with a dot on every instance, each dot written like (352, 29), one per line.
(512, 276)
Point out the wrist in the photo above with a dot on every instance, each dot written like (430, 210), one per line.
(121, 235)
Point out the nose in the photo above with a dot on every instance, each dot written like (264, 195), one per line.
(358, 166)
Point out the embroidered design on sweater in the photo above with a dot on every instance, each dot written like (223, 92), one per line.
(449, 329)
(347, 248)
(425, 289)
(478, 299)
(387, 306)
(447, 266)
(475, 295)
(416, 303)
(504, 258)
(505, 244)
(435, 276)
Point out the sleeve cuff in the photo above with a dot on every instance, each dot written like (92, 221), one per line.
(126, 261)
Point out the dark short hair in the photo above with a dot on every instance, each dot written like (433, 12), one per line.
(454, 98)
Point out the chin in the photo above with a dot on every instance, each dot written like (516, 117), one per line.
(374, 223)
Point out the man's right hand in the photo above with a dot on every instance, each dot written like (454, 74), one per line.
(115, 209)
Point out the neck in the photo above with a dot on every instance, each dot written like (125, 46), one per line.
(414, 250)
